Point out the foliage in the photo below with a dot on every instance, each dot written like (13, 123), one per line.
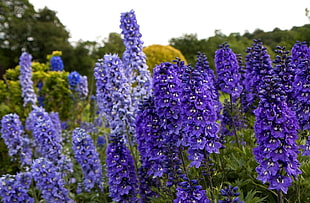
(156, 54)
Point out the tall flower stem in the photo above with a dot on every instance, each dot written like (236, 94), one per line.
(210, 180)
(280, 196)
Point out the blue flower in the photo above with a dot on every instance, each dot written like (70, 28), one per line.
(230, 195)
(56, 64)
(48, 180)
(14, 188)
(74, 80)
(25, 79)
(123, 184)
(227, 67)
(134, 59)
(275, 128)
(88, 158)
(191, 192)
(17, 142)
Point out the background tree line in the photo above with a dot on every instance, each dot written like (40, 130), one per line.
(22, 28)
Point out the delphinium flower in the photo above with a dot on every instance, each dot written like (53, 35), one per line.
(190, 191)
(306, 147)
(56, 64)
(198, 116)
(300, 51)
(25, 79)
(167, 93)
(134, 59)
(15, 139)
(301, 95)
(202, 65)
(275, 128)
(227, 68)
(230, 195)
(74, 80)
(46, 137)
(83, 87)
(285, 69)
(151, 147)
(40, 96)
(54, 116)
(14, 188)
(88, 158)
(48, 180)
(258, 62)
(123, 182)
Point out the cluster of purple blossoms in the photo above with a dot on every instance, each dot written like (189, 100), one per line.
(191, 192)
(285, 69)
(74, 80)
(227, 68)
(258, 63)
(83, 87)
(306, 147)
(25, 79)
(230, 194)
(301, 84)
(198, 116)
(123, 185)
(167, 101)
(276, 128)
(134, 58)
(88, 158)
(46, 137)
(17, 142)
(151, 147)
(54, 116)
(78, 83)
(56, 64)
(49, 181)
(202, 65)
(14, 188)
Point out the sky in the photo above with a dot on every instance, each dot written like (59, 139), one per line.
(161, 20)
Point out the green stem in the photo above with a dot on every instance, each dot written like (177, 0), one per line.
(280, 196)
(209, 177)
(233, 122)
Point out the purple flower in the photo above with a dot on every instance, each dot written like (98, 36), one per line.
(14, 188)
(230, 195)
(17, 142)
(258, 63)
(49, 182)
(276, 128)
(306, 147)
(56, 64)
(121, 173)
(74, 80)
(54, 116)
(83, 87)
(300, 51)
(227, 67)
(190, 192)
(88, 158)
(134, 58)
(25, 79)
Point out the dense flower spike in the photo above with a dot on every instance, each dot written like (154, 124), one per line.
(54, 116)
(48, 180)
(167, 93)
(134, 58)
(285, 69)
(300, 51)
(276, 134)
(301, 87)
(191, 192)
(14, 188)
(74, 80)
(83, 87)
(46, 137)
(25, 79)
(202, 65)
(56, 64)
(227, 68)
(121, 173)
(258, 62)
(230, 194)
(113, 96)
(198, 116)
(17, 142)
(86, 155)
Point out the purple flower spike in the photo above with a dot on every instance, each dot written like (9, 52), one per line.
(121, 173)
(86, 155)
(191, 193)
(276, 128)
(14, 188)
(17, 142)
(134, 58)
(49, 182)
(227, 67)
(230, 195)
(25, 79)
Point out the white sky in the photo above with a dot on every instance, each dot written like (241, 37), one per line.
(161, 20)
